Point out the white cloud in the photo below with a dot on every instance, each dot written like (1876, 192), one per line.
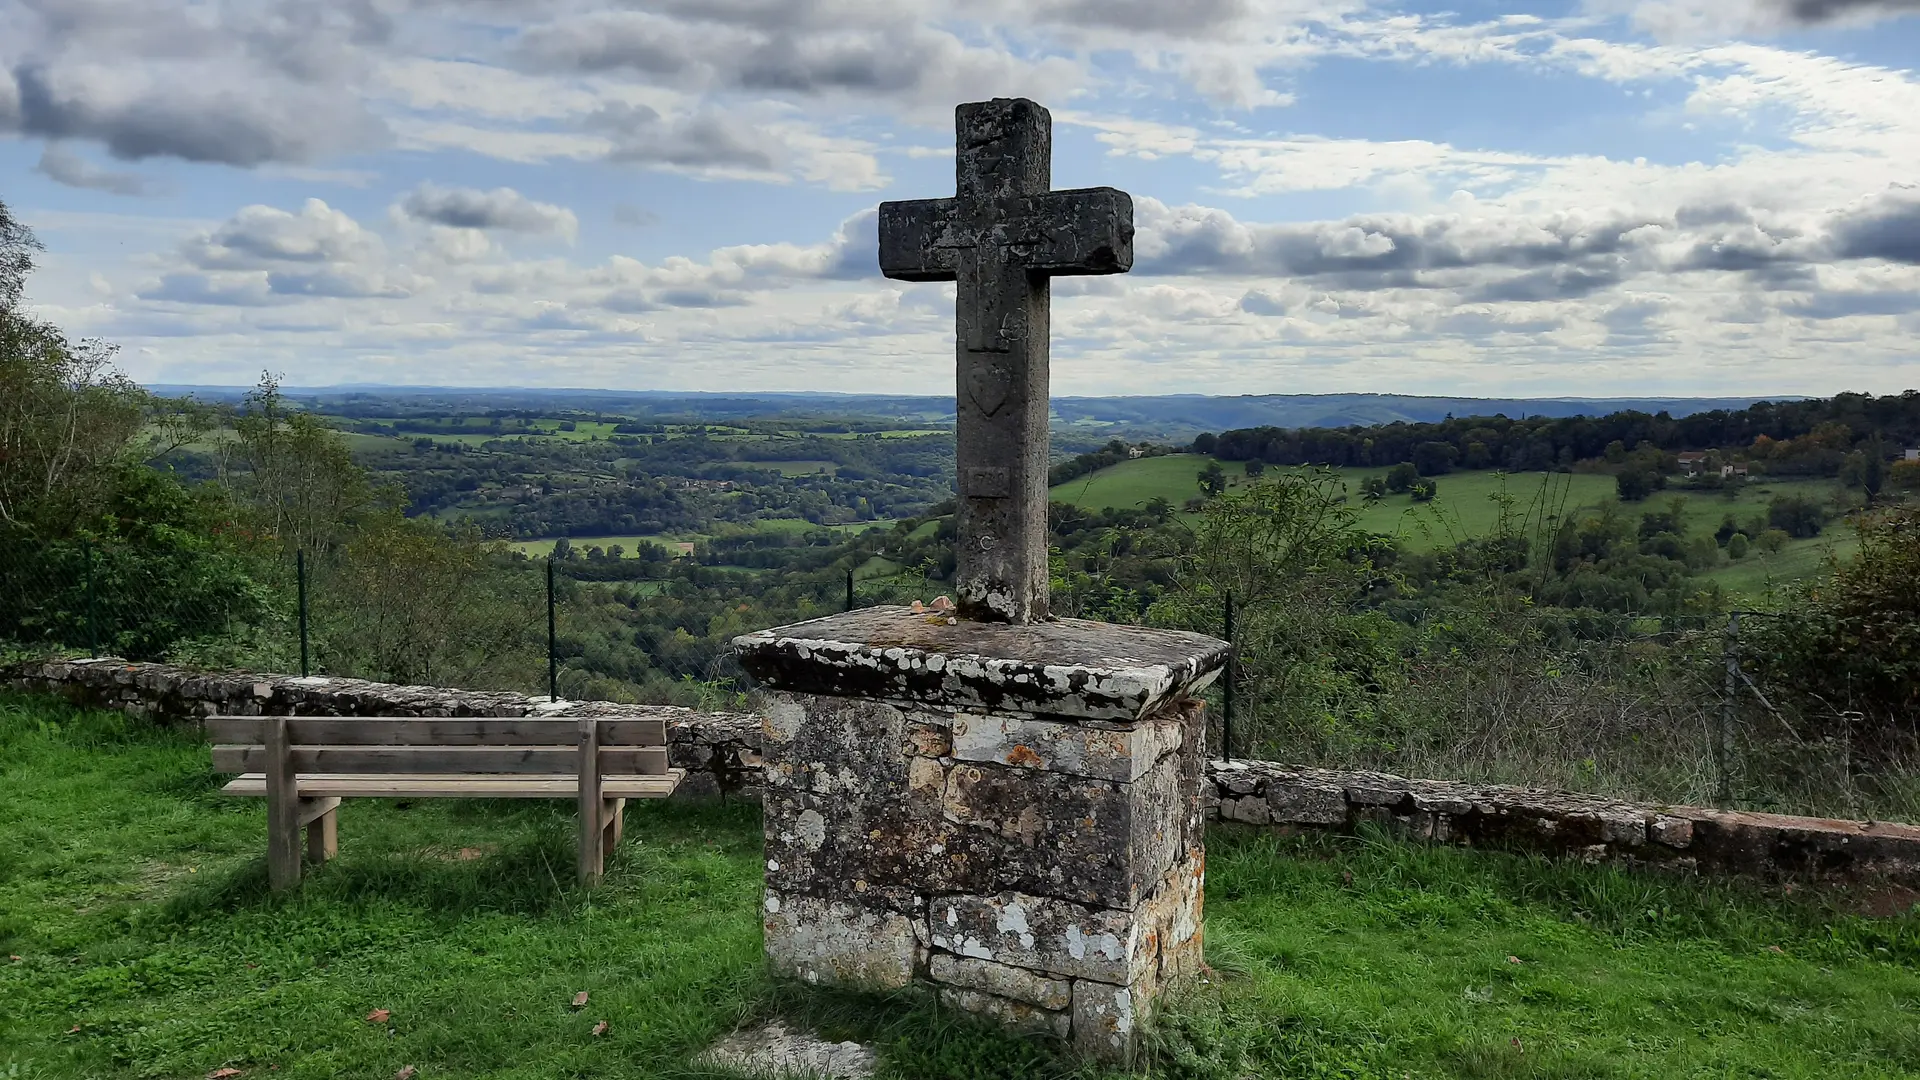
(260, 236)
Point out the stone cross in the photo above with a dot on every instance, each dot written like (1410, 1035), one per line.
(1001, 238)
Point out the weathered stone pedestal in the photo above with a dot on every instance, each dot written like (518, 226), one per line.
(1007, 813)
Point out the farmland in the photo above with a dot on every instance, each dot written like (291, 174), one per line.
(1469, 505)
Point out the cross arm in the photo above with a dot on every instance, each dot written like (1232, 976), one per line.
(918, 241)
(1079, 231)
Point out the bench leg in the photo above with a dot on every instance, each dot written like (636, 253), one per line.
(323, 836)
(615, 816)
(593, 861)
(283, 810)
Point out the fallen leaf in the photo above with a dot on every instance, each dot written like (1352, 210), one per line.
(15, 958)
(600, 1028)
(1513, 960)
(223, 1074)
(1517, 1046)
(1776, 950)
(580, 1000)
(74, 1030)
(378, 1016)
(406, 1073)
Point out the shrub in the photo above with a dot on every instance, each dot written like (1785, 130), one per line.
(1797, 515)
(1401, 477)
(1636, 484)
(1851, 657)
(1772, 540)
(1737, 546)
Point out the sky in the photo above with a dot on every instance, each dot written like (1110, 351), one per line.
(1578, 198)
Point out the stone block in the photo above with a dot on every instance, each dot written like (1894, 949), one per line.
(1304, 802)
(1119, 752)
(1014, 1014)
(1046, 935)
(1092, 841)
(1674, 832)
(1002, 980)
(896, 848)
(1104, 1020)
(1251, 809)
(837, 943)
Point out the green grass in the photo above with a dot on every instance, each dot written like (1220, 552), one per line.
(134, 898)
(1759, 578)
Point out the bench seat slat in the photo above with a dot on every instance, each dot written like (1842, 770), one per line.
(456, 786)
(442, 759)
(454, 731)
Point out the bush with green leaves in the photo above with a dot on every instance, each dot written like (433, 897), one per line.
(1849, 659)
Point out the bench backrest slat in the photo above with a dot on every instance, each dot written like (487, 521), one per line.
(428, 732)
(522, 760)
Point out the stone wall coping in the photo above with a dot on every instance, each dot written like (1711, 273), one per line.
(1069, 668)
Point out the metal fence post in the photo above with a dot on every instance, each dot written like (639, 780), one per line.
(1723, 749)
(1226, 719)
(300, 573)
(553, 662)
(93, 613)
(849, 589)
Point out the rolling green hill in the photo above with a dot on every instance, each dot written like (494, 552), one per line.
(1466, 508)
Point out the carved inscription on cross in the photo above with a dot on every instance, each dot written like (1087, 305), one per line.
(1000, 238)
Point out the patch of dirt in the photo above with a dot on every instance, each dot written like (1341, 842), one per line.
(1879, 901)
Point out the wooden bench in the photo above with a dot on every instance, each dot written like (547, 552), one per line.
(304, 766)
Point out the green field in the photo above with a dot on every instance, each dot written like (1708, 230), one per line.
(631, 542)
(542, 548)
(1464, 508)
(138, 940)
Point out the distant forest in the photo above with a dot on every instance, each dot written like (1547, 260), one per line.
(1811, 437)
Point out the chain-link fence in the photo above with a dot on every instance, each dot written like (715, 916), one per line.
(582, 628)
(1664, 707)
(1656, 707)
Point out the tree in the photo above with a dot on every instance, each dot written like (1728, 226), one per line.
(1797, 515)
(295, 475)
(1205, 442)
(101, 550)
(1400, 478)
(1434, 458)
(1737, 546)
(1373, 488)
(1850, 656)
(1255, 466)
(1213, 479)
(1291, 554)
(1424, 490)
(1636, 484)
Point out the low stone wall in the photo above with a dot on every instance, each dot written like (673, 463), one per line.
(1265, 794)
(721, 753)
